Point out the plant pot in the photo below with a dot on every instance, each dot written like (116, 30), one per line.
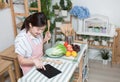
(90, 29)
(85, 40)
(96, 43)
(58, 24)
(111, 40)
(103, 30)
(104, 43)
(96, 30)
(56, 11)
(105, 62)
(64, 13)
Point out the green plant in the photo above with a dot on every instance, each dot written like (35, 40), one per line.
(90, 26)
(58, 39)
(45, 7)
(67, 7)
(59, 19)
(56, 6)
(34, 5)
(85, 36)
(104, 54)
(105, 38)
(96, 38)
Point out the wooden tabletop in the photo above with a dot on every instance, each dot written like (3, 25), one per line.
(9, 52)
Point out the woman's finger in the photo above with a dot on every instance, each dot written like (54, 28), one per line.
(44, 67)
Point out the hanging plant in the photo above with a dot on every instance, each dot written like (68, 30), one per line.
(67, 7)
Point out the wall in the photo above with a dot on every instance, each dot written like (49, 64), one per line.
(6, 29)
(104, 7)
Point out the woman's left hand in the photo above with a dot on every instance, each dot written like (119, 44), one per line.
(47, 36)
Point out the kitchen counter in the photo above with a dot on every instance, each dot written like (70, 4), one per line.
(67, 65)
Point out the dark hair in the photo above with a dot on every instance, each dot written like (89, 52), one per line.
(36, 19)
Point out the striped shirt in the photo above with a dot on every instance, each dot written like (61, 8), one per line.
(22, 45)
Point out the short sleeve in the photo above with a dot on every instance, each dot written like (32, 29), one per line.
(19, 46)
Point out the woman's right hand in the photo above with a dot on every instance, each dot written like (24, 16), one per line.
(39, 64)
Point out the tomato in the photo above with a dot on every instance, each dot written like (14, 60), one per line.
(69, 47)
(65, 44)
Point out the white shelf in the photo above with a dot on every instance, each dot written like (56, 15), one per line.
(95, 34)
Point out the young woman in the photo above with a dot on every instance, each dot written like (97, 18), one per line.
(29, 42)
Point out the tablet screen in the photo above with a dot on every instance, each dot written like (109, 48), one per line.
(50, 71)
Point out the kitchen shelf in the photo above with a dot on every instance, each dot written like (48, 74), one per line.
(95, 34)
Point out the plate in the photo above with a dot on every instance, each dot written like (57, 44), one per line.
(49, 53)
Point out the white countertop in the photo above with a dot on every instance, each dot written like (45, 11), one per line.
(67, 67)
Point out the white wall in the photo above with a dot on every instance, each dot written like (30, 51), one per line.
(108, 8)
(6, 29)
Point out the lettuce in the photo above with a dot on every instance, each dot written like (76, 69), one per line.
(56, 51)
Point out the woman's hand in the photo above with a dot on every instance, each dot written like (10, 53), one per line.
(39, 64)
(47, 36)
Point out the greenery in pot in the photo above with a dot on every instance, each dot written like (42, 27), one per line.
(85, 36)
(59, 19)
(105, 38)
(58, 39)
(104, 54)
(96, 38)
(65, 7)
(56, 6)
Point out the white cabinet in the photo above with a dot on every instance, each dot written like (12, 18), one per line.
(96, 25)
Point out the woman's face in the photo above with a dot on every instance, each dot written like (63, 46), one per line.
(35, 31)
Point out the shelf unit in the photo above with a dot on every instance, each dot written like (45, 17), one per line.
(26, 13)
(58, 31)
(96, 26)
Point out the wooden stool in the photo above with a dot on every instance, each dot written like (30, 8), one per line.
(9, 54)
(6, 66)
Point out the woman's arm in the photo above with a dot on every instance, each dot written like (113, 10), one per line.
(47, 37)
(31, 61)
(25, 61)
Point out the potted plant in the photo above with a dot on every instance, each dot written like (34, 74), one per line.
(91, 40)
(110, 42)
(56, 9)
(104, 40)
(90, 28)
(96, 40)
(97, 29)
(103, 29)
(58, 21)
(65, 8)
(104, 55)
(85, 38)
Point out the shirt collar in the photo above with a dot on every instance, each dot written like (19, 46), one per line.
(31, 36)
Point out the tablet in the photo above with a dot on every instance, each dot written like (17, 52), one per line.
(50, 71)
